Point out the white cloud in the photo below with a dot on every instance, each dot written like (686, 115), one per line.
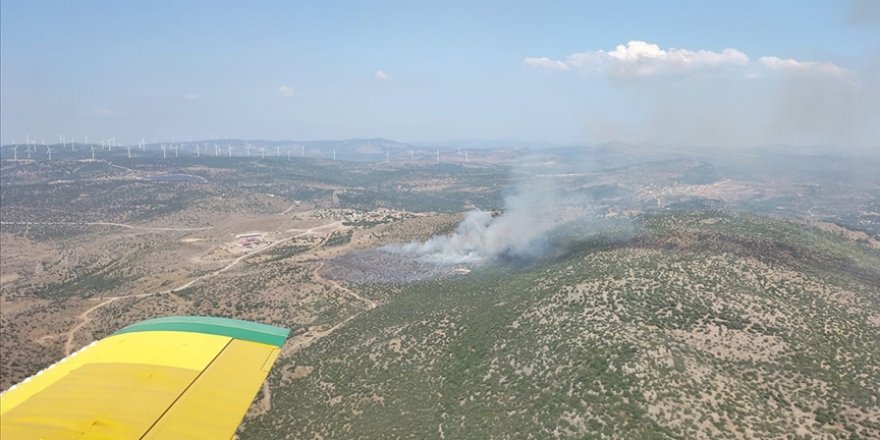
(382, 76)
(637, 59)
(287, 92)
(191, 97)
(546, 63)
(728, 98)
(795, 66)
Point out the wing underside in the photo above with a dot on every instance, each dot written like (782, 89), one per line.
(180, 378)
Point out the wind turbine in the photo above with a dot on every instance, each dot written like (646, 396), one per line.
(334, 154)
(93, 152)
(466, 156)
(216, 150)
(438, 156)
(164, 155)
(229, 150)
(198, 151)
(262, 152)
(15, 152)
(248, 148)
(277, 151)
(387, 157)
(288, 154)
(176, 150)
(129, 151)
(49, 150)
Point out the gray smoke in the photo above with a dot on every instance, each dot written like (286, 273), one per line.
(520, 232)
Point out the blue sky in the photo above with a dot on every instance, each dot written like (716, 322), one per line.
(438, 71)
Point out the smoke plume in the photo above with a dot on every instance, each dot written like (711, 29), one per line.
(520, 232)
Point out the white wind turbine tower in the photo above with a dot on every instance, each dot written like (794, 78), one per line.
(15, 151)
(73, 144)
(466, 156)
(49, 151)
(262, 152)
(164, 155)
(288, 154)
(387, 157)
(93, 152)
(129, 151)
(229, 150)
(248, 148)
(334, 154)
(277, 151)
(198, 151)
(438, 156)
(176, 150)
(216, 150)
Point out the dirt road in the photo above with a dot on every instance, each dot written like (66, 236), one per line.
(85, 316)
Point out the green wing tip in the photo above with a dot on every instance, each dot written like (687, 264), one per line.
(234, 328)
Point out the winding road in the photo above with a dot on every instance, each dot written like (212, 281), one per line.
(85, 317)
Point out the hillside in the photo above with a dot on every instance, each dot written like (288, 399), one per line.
(700, 325)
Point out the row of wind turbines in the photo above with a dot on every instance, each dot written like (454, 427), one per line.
(169, 150)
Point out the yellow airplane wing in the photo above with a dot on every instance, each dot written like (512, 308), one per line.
(179, 377)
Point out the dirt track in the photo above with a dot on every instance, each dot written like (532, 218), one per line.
(85, 318)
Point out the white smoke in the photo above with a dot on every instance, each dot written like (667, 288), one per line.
(520, 232)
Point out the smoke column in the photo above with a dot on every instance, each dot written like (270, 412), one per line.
(519, 233)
